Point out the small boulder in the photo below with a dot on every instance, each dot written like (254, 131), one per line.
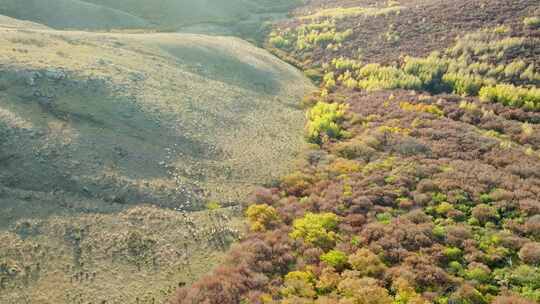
(55, 74)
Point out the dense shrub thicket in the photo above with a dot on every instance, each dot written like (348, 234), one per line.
(406, 198)
(467, 69)
(306, 37)
(532, 22)
(512, 96)
(324, 121)
(428, 200)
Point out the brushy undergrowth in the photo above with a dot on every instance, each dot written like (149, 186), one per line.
(467, 69)
(408, 198)
(324, 121)
(403, 210)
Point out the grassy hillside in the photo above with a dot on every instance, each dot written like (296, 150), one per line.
(167, 109)
(8, 22)
(138, 255)
(174, 12)
(73, 14)
(126, 159)
(422, 186)
(94, 125)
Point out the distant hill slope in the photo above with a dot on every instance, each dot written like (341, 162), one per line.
(240, 16)
(174, 12)
(73, 14)
(8, 22)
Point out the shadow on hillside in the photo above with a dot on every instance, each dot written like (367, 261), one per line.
(221, 66)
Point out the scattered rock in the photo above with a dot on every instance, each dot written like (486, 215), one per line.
(55, 74)
(30, 77)
(137, 76)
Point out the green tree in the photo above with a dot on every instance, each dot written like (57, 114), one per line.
(363, 291)
(335, 258)
(324, 121)
(316, 229)
(261, 217)
(367, 263)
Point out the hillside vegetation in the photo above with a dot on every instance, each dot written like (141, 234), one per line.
(410, 176)
(98, 130)
(422, 182)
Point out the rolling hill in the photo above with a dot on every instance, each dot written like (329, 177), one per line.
(71, 14)
(99, 129)
(239, 17)
(146, 113)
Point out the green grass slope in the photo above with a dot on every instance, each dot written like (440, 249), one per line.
(171, 12)
(8, 22)
(70, 14)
